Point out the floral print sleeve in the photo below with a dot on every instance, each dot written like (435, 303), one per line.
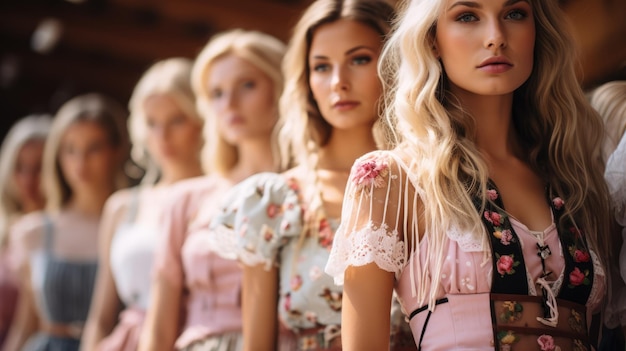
(372, 226)
(258, 217)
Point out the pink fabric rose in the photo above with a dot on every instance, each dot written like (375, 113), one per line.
(506, 237)
(492, 194)
(576, 277)
(496, 219)
(272, 210)
(558, 203)
(581, 256)
(505, 264)
(326, 234)
(370, 172)
(487, 215)
(296, 283)
(546, 342)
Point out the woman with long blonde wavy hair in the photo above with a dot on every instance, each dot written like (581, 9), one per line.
(482, 119)
(283, 224)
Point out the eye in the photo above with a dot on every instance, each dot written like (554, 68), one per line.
(321, 67)
(249, 84)
(216, 94)
(467, 17)
(517, 15)
(178, 119)
(362, 60)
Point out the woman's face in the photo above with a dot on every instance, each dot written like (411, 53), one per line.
(486, 46)
(343, 73)
(87, 158)
(172, 137)
(242, 98)
(27, 172)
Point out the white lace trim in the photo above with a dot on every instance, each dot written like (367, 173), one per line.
(467, 242)
(367, 245)
(596, 294)
(615, 175)
(225, 243)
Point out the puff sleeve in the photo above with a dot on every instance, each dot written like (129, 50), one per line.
(257, 218)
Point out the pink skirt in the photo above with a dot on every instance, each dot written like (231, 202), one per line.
(125, 336)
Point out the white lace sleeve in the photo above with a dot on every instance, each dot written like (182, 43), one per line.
(615, 176)
(373, 228)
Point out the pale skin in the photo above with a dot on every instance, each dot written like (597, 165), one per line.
(342, 62)
(466, 34)
(242, 97)
(86, 160)
(173, 140)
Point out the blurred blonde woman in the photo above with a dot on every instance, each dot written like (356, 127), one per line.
(490, 216)
(608, 99)
(281, 226)
(20, 193)
(195, 297)
(166, 135)
(57, 249)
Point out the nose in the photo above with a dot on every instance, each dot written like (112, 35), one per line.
(496, 36)
(339, 79)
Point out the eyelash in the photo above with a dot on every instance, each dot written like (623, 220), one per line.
(461, 17)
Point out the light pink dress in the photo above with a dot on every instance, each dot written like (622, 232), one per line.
(376, 221)
(211, 285)
(8, 293)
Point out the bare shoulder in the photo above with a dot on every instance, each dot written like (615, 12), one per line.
(28, 232)
(118, 202)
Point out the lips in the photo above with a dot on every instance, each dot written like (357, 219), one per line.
(495, 60)
(344, 105)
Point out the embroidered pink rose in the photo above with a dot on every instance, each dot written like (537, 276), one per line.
(506, 237)
(581, 256)
(268, 235)
(370, 173)
(272, 210)
(546, 342)
(493, 217)
(576, 277)
(326, 234)
(505, 264)
(558, 203)
(492, 194)
(296, 283)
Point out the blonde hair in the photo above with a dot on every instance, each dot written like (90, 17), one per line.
(259, 49)
(171, 77)
(29, 128)
(303, 129)
(555, 124)
(89, 107)
(609, 100)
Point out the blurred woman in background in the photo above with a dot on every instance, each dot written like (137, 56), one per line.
(57, 249)
(237, 81)
(166, 135)
(20, 193)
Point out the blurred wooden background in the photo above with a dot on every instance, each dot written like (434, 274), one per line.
(104, 45)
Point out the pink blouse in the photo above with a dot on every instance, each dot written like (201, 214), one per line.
(375, 224)
(211, 285)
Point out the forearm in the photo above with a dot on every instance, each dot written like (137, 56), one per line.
(260, 308)
(162, 320)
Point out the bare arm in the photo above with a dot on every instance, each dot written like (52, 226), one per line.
(260, 306)
(366, 308)
(161, 326)
(26, 321)
(105, 304)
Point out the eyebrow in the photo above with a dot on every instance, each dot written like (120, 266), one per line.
(476, 5)
(356, 48)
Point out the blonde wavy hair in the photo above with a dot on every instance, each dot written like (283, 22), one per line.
(609, 100)
(261, 50)
(171, 77)
(29, 128)
(559, 130)
(93, 107)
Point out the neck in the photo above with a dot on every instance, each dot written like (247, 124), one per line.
(32, 205)
(174, 173)
(89, 202)
(255, 156)
(493, 115)
(344, 147)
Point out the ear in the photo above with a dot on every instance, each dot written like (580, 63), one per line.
(435, 49)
